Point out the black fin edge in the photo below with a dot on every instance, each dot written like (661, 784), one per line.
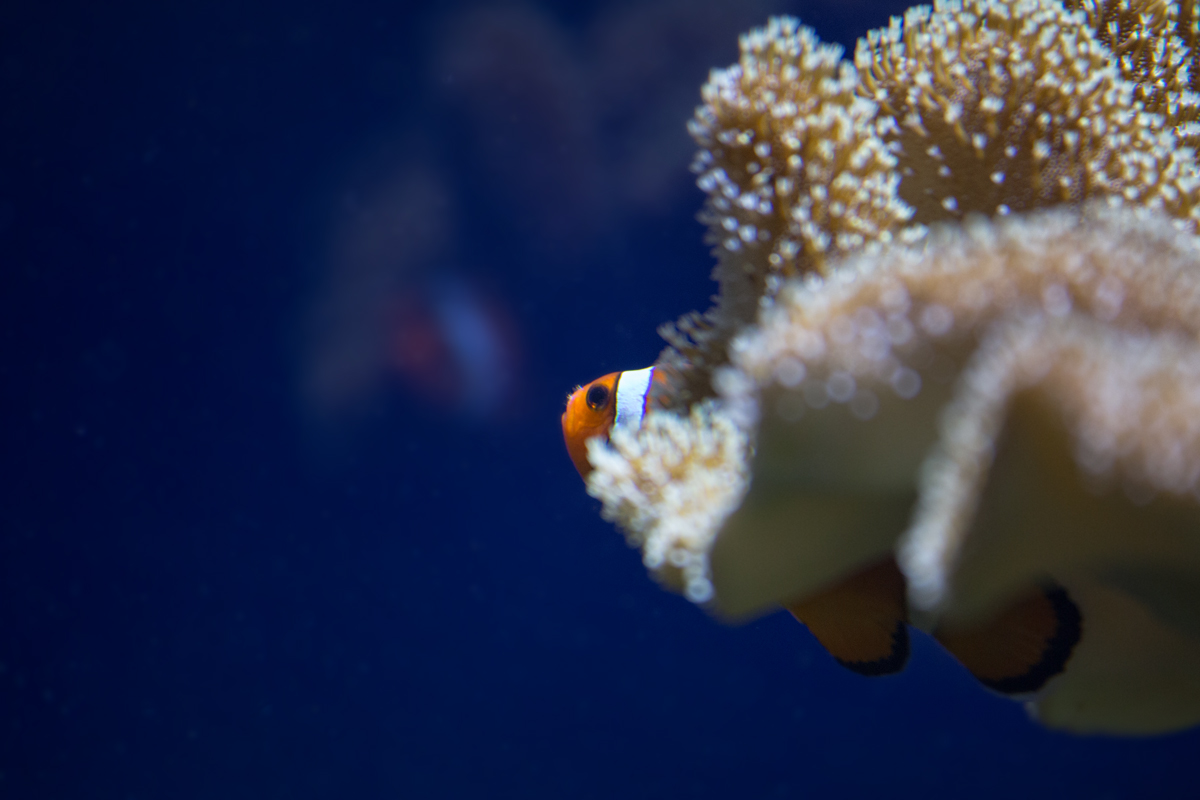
(892, 663)
(1056, 653)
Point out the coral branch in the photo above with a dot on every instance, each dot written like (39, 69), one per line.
(959, 324)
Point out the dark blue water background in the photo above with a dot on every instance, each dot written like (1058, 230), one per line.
(217, 581)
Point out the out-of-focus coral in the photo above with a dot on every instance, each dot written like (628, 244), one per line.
(671, 488)
(997, 402)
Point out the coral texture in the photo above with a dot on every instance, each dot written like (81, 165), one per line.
(1005, 107)
(984, 106)
(670, 486)
(959, 323)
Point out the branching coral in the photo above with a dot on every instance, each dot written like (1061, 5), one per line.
(1008, 106)
(985, 106)
(959, 324)
(670, 486)
(1154, 44)
(796, 171)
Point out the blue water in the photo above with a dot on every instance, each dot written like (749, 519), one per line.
(223, 575)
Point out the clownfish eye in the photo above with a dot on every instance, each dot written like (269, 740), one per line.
(597, 397)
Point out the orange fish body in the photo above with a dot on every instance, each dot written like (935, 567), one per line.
(862, 622)
(618, 398)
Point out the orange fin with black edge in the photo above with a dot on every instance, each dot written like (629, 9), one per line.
(862, 620)
(1025, 646)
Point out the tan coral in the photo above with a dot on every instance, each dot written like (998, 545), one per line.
(999, 403)
(1154, 44)
(669, 486)
(905, 324)
(795, 171)
(1004, 106)
(1072, 451)
(985, 106)
(1118, 441)
(790, 156)
(1066, 348)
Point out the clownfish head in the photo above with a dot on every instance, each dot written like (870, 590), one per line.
(619, 398)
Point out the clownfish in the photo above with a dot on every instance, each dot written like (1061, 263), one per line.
(617, 399)
(863, 620)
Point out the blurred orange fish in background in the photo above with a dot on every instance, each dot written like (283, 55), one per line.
(455, 345)
(393, 316)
